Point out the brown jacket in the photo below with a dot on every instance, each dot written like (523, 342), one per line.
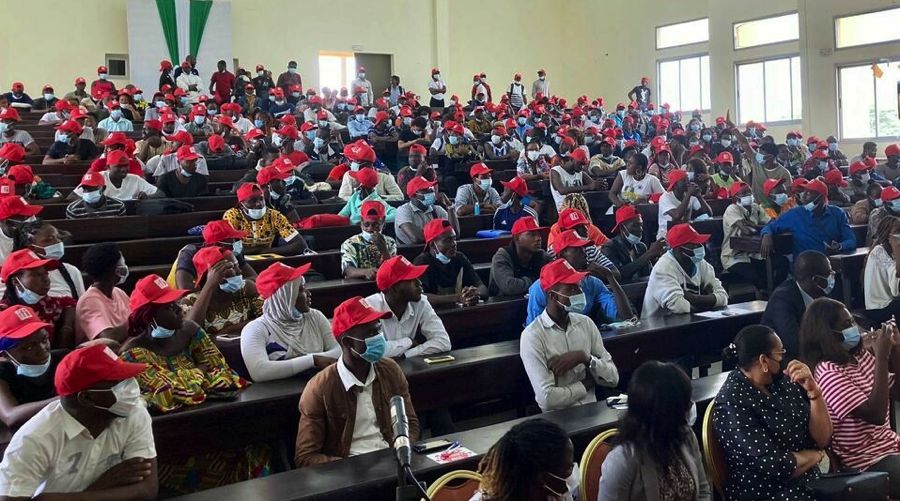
(328, 413)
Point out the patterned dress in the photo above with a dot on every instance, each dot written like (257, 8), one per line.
(243, 308)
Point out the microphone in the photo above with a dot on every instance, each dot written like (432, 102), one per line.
(400, 424)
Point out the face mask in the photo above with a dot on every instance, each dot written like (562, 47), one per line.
(102, 76)
(810, 206)
(695, 127)
(138, 97)
(160, 104)
(706, 137)
(311, 135)
(537, 120)
(495, 139)
(122, 273)
(376, 346)
(115, 114)
(430, 199)
(232, 284)
(3, 127)
(54, 251)
(128, 396)
(760, 158)
(781, 198)
(577, 302)
(199, 120)
(27, 295)
(277, 140)
(621, 113)
(747, 201)
(829, 283)
(91, 197)
(486, 183)
(318, 142)
(48, 96)
(691, 175)
(541, 78)
(440, 256)
(366, 235)
(792, 142)
(61, 137)
(454, 140)
(851, 337)
(260, 73)
(161, 332)
(521, 120)
(274, 195)
(877, 202)
(588, 139)
(292, 70)
(725, 143)
(697, 254)
(362, 76)
(29, 370)
(895, 205)
(823, 164)
(360, 117)
(633, 239)
(186, 173)
(272, 98)
(533, 155)
(259, 124)
(692, 415)
(183, 100)
(256, 213)
(832, 146)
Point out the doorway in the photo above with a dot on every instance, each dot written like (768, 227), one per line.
(379, 69)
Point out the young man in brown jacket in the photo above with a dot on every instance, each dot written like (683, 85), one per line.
(345, 409)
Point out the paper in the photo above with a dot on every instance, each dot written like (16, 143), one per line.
(450, 455)
(718, 313)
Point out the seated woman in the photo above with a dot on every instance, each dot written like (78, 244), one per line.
(657, 456)
(634, 185)
(225, 301)
(27, 281)
(26, 376)
(880, 283)
(184, 365)
(102, 311)
(289, 337)
(450, 278)
(533, 461)
(363, 253)
(857, 380)
(772, 424)
(263, 226)
(65, 279)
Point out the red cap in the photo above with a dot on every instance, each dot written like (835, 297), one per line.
(165, 64)
(889, 193)
(12, 152)
(479, 169)
(568, 239)
(435, 228)
(248, 190)
(820, 155)
(675, 176)
(859, 166)
(215, 143)
(186, 152)
(891, 150)
(367, 177)
(372, 210)
(624, 214)
(516, 185)
(570, 218)
(269, 173)
(102, 69)
(418, 183)
(360, 151)
(253, 134)
(71, 126)
(770, 185)
(116, 139)
(277, 274)
(92, 179)
(19, 322)
(9, 114)
(797, 184)
(396, 269)
(24, 259)
(85, 367)
(288, 131)
(154, 289)
(736, 187)
(80, 80)
(526, 223)
(725, 158)
(21, 174)
(355, 311)
(418, 148)
(206, 257)
(579, 155)
(818, 187)
(219, 231)
(560, 271)
(17, 206)
(834, 178)
(682, 234)
(117, 157)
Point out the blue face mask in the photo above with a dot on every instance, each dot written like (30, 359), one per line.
(296, 314)
(440, 256)
(27, 295)
(311, 135)
(760, 158)
(577, 302)
(895, 205)
(706, 137)
(30, 370)
(832, 146)
(430, 199)
(697, 255)
(259, 124)
(376, 346)
(238, 247)
(161, 332)
(186, 173)
(633, 239)
(851, 337)
(829, 283)
(91, 197)
(366, 235)
(781, 198)
(810, 206)
(232, 284)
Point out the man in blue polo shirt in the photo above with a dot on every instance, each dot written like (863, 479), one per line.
(815, 224)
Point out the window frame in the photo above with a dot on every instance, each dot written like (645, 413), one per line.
(698, 56)
(119, 57)
(840, 103)
(763, 60)
(762, 18)
(656, 34)
(334, 53)
(834, 28)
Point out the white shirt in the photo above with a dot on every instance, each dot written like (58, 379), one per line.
(667, 202)
(880, 282)
(437, 84)
(167, 163)
(53, 452)
(6, 246)
(668, 281)
(543, 339)
(365, 98)
(58, 285)
(634, 191)
(132, 184)
(366, 435)
(419, 316)
(733, 214)
(567, 180)
(110, 125)
(244, 125)
(266, 364)
(386, 188)
(185, 80)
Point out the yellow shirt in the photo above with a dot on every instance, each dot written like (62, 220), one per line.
(262, 232)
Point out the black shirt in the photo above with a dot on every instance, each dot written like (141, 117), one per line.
(31, 389)
(622, 254)
(443, 278)
(173, 188)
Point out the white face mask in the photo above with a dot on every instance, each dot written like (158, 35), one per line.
(533, 155)
(128, 397)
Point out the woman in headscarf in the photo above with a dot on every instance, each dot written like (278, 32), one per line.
(289, 337)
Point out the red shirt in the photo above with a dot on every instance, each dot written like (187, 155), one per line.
(223, 82)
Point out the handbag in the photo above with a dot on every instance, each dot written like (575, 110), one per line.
(858, 486)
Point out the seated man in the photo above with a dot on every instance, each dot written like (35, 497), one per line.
(424, 205)
(626, 250)
(119, 183)
(219, 233)
(68, 147)
(744, 218)
(363, 253)
(562, 350)
(837, 186)
(813, 278)
(263, 226)
(367, 180)
(682, 203)
(94, 203)
(576, 220)
(414, 329)
(115, 122)
(9, 133)
(860, 212)
(605, 163)
(168, 162)
(777, 201)
(450, 279)
(152, 142)
(890, 206)
(362, 156)
(272, 180)
(55, 455)
(682, 281)
(185, 181)
(480, 193)
(604, 304)
(515, 267)
(517, 205)
(364, 425)
(816, 225)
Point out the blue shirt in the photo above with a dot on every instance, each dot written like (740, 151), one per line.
(23, 99)
(505, 217)
(813, 232)
(358, 128)
(595, 292)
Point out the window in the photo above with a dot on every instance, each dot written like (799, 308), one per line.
(769, 91)
(865, 29)
(868, 104)
(684, 83)
(336, 69)
(685, 33)
(767, 31)
(117, 64)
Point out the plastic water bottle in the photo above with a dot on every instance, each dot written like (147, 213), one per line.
(477, 208)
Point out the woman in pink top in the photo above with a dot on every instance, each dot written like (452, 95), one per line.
(857, 380)
(104, 308)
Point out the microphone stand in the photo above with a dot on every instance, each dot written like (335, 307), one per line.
(407, 491)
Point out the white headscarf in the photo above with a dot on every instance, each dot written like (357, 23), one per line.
(286, 339)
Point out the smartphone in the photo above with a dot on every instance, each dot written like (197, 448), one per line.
(439, 359)
(431, 445)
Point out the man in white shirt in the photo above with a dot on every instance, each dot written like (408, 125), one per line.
(682, 281)
(682, 203)
(364, 157)
(541, 85)
(189, 83)
(116, 122)
(562, 350)
(437, 88)
(120, 184)
(95, 442)
(362, 88)
(401, 293)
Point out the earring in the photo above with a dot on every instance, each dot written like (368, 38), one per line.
(765, 368)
